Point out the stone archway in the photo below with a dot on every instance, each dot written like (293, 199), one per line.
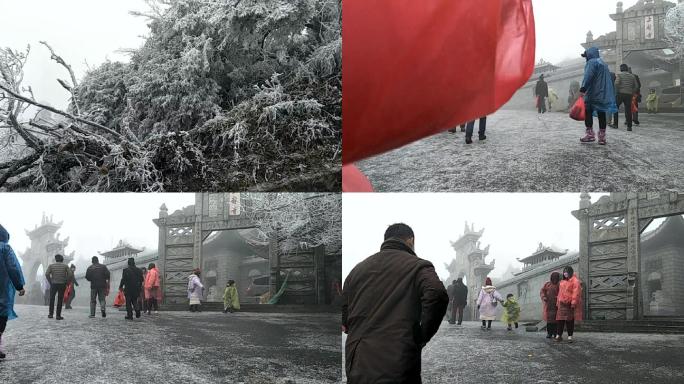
(610, 255)
(182, 235)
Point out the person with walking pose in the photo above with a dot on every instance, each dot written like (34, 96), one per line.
(487, 304)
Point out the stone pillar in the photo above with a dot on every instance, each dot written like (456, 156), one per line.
(161, 249)
(584, 228)
(619, 54)
(633, 260)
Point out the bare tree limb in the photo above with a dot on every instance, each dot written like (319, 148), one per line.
(74, 83)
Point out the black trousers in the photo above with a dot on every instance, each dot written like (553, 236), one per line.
(132, 303)
(3, 324)
(542, 104)
(152, 304)
(589, 118)
(57, 289)
(627, 101)
(457, 313)
(487, 323)
(551, 329)
(470, 126)
(570, 324)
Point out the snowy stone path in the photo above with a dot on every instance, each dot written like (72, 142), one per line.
(527, 152)
(171, 347)
(466, 354)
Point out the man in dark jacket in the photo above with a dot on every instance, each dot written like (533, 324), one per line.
(541, 90)
(458, 297)
(392, 304)
(637, 95)
(131, 284)
(98, 275)
(626, 87)
(58, 275)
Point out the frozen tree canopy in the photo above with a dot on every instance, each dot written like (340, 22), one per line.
(222, 95)
(674, 28)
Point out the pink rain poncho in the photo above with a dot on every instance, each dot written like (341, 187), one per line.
(152, 287)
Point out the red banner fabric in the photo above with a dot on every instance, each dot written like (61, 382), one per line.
(414, 68)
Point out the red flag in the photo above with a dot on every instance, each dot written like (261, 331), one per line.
(415, 68)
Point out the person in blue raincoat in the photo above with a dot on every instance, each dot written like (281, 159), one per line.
(11, 279)
(599, 95)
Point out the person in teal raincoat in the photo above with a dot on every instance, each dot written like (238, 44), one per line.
(511, 313)
(231, 301)
(599, 95)
(11, 280)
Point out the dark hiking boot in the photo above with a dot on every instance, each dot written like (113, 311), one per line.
(59, 318)
(91, 316)
(629, 128)
(128, 318)
(588, 136)
(482, 138)
(516, 325)
(104, 314)
(50, 316)
(469, 140)
(509, 328)
(137, 314)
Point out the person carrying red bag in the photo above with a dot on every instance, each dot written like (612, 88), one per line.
(412, 69)
(599, 95)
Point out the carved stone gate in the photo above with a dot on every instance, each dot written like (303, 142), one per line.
(610, 264)
(181, 237)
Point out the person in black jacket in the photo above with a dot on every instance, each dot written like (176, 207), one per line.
(98, 275)
(541, 90)
(131, 284)
(392, 304)
(458, 298)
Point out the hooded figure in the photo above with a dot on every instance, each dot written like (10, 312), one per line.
(195, 290)
(131, 284)
(487, 303)
(152, 288)
(11, 280)
(569, 303)
(549, 296)
(231, 301)
(599, 94)
(511, 313)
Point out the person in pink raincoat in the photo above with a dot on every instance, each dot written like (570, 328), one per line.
(487, 304)
(152, 289)
(569, 303)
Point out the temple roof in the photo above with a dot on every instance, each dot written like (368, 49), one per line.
(121, 249)
(671, 228)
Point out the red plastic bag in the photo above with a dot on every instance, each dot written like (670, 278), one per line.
(635, 105)
(120, 300)
(578, 110)
(67, 291)
(415, 68)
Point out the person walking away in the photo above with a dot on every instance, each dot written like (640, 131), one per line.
(598, 91)
(195, 290)
(487, 303)
(511, 313)
(231, 301)
(636, 99)
(58, 275)
(613, 118)
(11, 281)
(98, 275)
(152, 289)
(450, 307)
(569, 303)
(549, 296)
(460, 299)
(541, 90)
(626, 87)
(652, 101)
(392, 305)
(70, 293)
(131, 283)
(470, 126)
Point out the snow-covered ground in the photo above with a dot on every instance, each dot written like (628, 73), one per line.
(525, 151)
(466, 354)
(171, 347)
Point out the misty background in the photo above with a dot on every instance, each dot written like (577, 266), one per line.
(94, 222)
(85, 33)
(514, 224)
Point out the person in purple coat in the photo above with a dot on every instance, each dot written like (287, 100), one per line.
(487, 304)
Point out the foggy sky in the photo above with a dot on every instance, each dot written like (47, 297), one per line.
(78, 30)
(562, 25)
(92, 221)
(514, 224)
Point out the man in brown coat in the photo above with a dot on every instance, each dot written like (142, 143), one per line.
(393, 303)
